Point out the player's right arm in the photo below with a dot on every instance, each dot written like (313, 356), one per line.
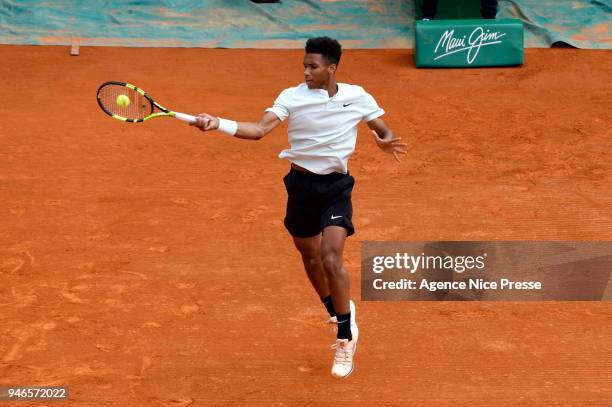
(245, 130)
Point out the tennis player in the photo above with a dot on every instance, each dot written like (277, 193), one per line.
(323, 119)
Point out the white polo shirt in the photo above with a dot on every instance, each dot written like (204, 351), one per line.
(323, 130)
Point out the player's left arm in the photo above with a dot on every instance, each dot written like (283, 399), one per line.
(385, 139)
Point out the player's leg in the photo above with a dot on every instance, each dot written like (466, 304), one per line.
(336, 222)
(302, 221)
(310, 250)
(337, 225)
(332, 248)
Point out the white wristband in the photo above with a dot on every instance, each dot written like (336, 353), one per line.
(228, 126)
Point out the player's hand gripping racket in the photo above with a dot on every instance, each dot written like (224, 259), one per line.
(128, 103)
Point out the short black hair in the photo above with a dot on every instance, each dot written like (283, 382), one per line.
(328, 47)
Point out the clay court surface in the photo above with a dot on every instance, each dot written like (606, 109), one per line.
(147, 264)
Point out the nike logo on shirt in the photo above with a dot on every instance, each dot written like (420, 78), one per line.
(346, 104)
(336, 217)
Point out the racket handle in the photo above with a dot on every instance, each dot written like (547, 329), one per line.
(185, 117)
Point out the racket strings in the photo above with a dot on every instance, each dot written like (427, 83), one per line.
(138, 108)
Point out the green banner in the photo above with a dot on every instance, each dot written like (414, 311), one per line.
(469, 43)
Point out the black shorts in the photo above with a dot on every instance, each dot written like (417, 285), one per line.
(317, 201)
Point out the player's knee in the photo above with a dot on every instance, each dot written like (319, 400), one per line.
(310, 260)
(332, 263)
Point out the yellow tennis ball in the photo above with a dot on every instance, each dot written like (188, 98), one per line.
(123, 101)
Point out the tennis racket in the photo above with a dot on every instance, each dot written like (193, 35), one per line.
(128, 103)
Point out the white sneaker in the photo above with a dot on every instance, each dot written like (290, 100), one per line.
(344, 364)
(354, 328)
